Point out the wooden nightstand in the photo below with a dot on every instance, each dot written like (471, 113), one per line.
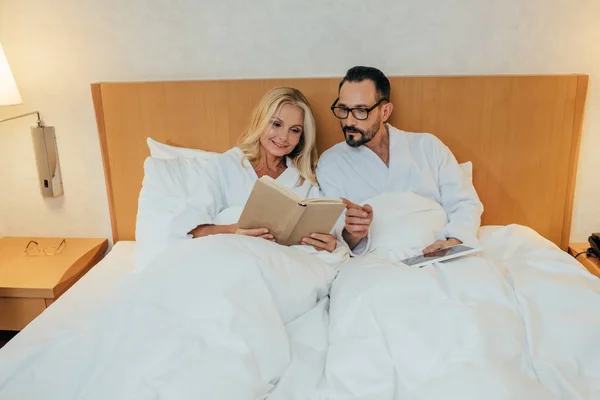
(30, 283)
(592, 264)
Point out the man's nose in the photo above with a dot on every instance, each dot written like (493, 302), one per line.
(350, 120)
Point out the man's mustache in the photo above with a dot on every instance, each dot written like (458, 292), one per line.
(352, 129)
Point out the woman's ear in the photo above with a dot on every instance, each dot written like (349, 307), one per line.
(387, 111)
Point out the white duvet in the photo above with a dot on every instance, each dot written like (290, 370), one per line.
(230, 317)
(520, 320)
(210, 319)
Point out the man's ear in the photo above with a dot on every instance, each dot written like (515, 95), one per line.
(387, 111)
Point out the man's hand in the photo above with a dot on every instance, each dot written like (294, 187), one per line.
(441, 244)
(357, 223)
(321, 241)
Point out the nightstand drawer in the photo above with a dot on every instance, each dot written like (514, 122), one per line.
(16, 313)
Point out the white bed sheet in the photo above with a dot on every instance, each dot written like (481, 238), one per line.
(84, 298)
(220, 309)
(526, 333)
(517, 321)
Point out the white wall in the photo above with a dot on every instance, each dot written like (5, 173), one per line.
(57, 48)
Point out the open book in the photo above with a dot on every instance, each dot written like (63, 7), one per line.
(279, 209)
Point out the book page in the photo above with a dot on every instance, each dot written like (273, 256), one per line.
(270, 208)
(322, 200)
(283, 189)
(317, 218)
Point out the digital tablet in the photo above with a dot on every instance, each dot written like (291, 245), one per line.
(447, 253)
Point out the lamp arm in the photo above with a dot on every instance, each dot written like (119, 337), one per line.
(39, 121)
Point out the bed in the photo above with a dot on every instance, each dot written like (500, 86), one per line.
(92, 292)
(518, 322)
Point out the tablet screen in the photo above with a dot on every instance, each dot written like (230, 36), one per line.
(448, 251)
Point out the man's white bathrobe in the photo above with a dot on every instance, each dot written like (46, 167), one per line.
(419, 163)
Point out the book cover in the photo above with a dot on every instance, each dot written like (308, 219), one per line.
(287, 217)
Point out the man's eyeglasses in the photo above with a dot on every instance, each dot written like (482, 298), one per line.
(359, 113)
(33, 249)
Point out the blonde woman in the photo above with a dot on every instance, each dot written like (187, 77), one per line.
(279, 142)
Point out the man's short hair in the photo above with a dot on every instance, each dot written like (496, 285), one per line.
(360, 73)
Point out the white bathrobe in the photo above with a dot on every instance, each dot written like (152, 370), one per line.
(224, 183)
(419, 163)
(223, 187)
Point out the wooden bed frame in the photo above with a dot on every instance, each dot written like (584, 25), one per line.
(522, 134)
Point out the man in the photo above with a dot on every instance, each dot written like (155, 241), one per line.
(378, 158)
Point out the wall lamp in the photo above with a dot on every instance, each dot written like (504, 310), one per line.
(43, 137)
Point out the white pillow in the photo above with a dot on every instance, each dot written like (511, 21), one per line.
(168, 174)
(404, 224)
(467, 169)
(164, 195)
(161, 150)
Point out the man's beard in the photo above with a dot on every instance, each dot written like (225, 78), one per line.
(356, 137)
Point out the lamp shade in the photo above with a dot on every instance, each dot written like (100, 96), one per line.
(9, 93)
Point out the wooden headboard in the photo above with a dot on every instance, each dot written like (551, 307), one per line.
(521, 133)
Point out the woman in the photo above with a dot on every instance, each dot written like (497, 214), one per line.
(280, 142)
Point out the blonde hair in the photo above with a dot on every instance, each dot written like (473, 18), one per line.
(304, 156)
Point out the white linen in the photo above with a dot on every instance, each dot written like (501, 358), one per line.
(518, 321)
(162, 150)
(467, 170)
(308, 348)
(419, 163)
(205, 320)
(404, 224)
(85, 298)
(164, 195)
(169, 173)
(233, 317)
(179, 194)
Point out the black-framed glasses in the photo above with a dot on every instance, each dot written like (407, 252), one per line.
(359, 113)
(33, 249)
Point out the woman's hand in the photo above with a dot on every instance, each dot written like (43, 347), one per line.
(256, 232)
(321, 241)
